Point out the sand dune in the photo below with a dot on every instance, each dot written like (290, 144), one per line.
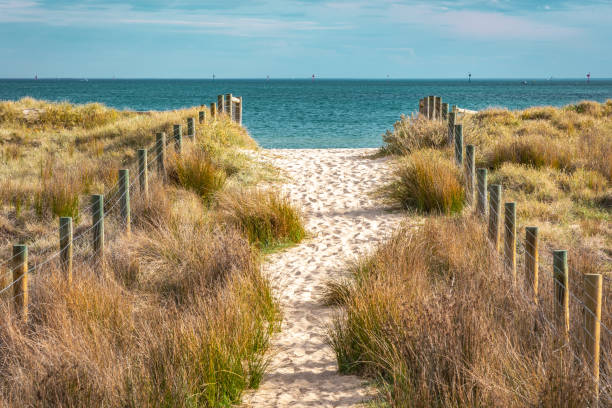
(332, 186)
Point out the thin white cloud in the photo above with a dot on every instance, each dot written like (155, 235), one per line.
(485, 25)
(226, 24)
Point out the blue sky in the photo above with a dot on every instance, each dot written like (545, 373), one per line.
(290, 38)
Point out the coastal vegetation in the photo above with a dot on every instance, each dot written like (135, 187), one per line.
(433, 315)
(178, 313)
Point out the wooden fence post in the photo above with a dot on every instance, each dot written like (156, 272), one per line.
(213, 110)
(20, 277)
(220, 104)
(160, 147)
(470, 172)
(445, 111)
(191, 128)
(532, 260)
(65, 237)
(510, 237)
(124, 199)
(426, 107)
(434, 113)
(229, 104)
(143, 169)
(438, 107)
(481, 193)
(561, 285)
(459, 144)
(178, 138)
(430, 107)
(592, 324)
(494, 214)
(97, 219)
(239, 112)
(452, 117)
(201, 116)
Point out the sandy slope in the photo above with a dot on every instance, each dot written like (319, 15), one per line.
(332, 186)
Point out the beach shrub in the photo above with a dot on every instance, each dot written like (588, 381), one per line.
(590, 108)
(495, 117)
(539, 113)
(427, 181)
(532, 150)
(266, 217)
(537, 183)
(411, 134)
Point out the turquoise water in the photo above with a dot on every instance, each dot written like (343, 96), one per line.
(307, 114)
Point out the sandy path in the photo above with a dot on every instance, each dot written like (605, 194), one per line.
(332, 186)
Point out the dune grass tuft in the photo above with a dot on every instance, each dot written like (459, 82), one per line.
(427, 181)
(411, 134)
(266, 217)
(195, 171)
(536, 151)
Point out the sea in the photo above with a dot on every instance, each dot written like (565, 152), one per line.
(306, 113)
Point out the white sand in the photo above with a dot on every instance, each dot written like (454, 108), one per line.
(332, 186)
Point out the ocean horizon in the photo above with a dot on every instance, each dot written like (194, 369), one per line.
(302, 113)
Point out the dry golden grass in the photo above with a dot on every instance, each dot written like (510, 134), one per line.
(433, 317)
(427, 181)
(179, 314)
(411, 134)
(554, 162)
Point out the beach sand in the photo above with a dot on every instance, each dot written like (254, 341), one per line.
(333, 188)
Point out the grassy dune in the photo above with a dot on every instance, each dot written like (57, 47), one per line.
(179, 315)
(432, 315)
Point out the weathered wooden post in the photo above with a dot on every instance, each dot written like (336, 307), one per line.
(143, 170)
(124, 199)
(97, 219)
(431, 107)
(178, 138)
(455, 109)
(201, 116)
(220, 104)
(238, 108)
(160, 147)
(20, 279)
(532, 260)
(494, 214)
(561, 284)
(459, 144)
(229, 105)
(481, 194)
(470, 172)
(65, 238)
(445, 111)
(426, 107)
(510, 237)
(452, 117)
(213, 110)
(592, 325)
(191, 128)
(438, 107)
